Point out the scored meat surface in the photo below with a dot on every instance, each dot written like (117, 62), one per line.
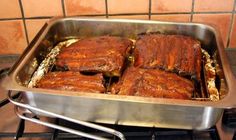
(104, 54)
(153, 83)
(72, 81)
(176, 53)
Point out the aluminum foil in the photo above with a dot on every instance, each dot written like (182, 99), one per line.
(219, 72)
(48, 62)
(210, 76)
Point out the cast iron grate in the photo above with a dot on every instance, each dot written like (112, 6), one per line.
(143, 133)
(3, 73)
(229, 118)
(130, 132)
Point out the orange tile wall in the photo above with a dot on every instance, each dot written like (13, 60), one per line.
(20, 20)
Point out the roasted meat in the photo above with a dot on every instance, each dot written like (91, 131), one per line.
(153, 83)
(104, 54)
(72, 81)
(175, 53)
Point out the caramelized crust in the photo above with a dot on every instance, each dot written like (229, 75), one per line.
(153, 83)
(72, 81)
(176, 53)
(104, 54)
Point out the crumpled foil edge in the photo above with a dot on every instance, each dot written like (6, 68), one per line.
(210, 77)
(48, 62)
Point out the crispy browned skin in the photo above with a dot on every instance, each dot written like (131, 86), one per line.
(153, 83)
(175, 53)
(72, 81)
(97, 54)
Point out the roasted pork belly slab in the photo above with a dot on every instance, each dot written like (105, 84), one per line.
(153, 83)
(104, 54)
(72, 81)
(176, 53)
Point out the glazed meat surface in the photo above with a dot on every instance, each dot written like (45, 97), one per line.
(72, 81)
(176, 53)
(104, 54)
(153, 83)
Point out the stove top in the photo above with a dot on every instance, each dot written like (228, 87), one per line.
(130, 133)
(224, 129)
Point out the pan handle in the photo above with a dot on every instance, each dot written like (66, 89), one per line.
(76, 132)
(27, 116)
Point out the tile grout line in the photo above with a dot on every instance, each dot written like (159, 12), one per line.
(215, 12)
(43, 17)
(122, 14)
(231, 26)
(175, 13)
(192, 11)
(171, 13)
(63, 8)
(4, 19)
(106, 6)
(23, 18)
(128, 14)
(149, 9)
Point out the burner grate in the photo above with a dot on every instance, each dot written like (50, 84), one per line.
(229, 118)
(3, 73)
(130, 132)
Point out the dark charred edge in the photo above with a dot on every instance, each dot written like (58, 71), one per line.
(219, 75)
(198, 89)
(163, 33)
(129, 58)
(107, 83)
(148, 33)
(110, 80)
(200, 85)
(218, 82)
(159, 32)
(105, 79)
(189, 76)
(59, 68)
(205, 93)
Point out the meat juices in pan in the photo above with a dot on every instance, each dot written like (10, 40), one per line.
(72, 81)
(153, 83)
(176, 53)
(105, 54)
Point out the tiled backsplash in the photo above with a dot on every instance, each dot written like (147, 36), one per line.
(20, 20)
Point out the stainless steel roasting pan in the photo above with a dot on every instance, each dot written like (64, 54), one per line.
(114, 109)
